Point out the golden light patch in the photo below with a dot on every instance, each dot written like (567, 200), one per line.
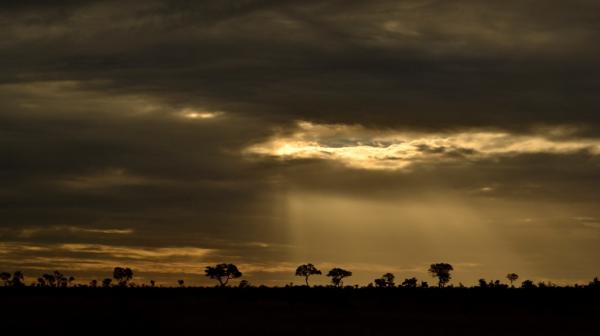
(361, 148)
(196, 114)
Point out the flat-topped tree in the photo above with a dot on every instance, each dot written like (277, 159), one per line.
(442, 272)
(337, 274)
(223, 273)
(306, 271)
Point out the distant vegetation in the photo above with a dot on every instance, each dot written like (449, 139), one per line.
(223, 273)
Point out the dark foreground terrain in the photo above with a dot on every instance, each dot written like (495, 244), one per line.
(301, 311)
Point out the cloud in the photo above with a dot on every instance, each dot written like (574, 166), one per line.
(424, 64)
(357, 147)
(33, 231)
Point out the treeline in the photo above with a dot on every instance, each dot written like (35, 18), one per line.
(223, 273)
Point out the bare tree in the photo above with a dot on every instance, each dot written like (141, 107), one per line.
(306, 271)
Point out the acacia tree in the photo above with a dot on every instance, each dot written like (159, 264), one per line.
(512, 277)
(386, 280)
(223, 273)
(442, 272)
(337, 274)
(306, 271)
(122, 275)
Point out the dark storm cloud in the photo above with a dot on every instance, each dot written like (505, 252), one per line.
(381, 63)
(98, 162)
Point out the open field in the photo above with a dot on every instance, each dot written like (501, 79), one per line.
(302, 311)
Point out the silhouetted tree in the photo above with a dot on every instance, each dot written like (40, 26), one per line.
(512, 277)
(152, 283)
(442, 272)
(49, 280)
(542, 284)
(244, 284)
(410, 283)
(180, 283)
(17, 279)
(61, 280)
(94, 283)
(497, 284)
(71, 280)
(106, 282)
(528, 284)
(337, 274)
(386, 280)
(306, 271)
(223, 273)
(595, 283)
(5, 277)
(122, 275)
(483, 283)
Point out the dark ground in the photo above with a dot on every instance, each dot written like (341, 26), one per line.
(301, 311)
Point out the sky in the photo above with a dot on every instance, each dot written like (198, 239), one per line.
(378, 136)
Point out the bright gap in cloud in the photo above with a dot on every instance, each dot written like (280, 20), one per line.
(196, 114)
(358, 147)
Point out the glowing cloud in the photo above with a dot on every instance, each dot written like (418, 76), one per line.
(358, 147)
(136, 252)
(194, 114)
